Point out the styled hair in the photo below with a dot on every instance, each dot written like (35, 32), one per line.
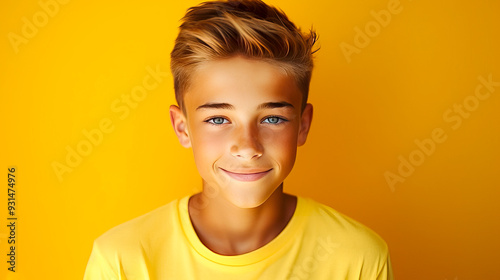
(250, 28)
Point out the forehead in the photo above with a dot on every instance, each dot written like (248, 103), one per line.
(241, 80)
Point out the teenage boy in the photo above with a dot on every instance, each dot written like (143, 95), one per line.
(241, 76)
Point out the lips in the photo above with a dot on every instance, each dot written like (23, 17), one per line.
(246, 175)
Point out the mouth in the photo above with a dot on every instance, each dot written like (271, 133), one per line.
(246, 175)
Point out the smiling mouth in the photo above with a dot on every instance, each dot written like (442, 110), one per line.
(246, 176)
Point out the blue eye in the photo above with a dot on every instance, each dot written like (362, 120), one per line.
(217, 121)
(274, 120)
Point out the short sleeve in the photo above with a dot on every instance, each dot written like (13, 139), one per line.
(99, 267)
(385, 272)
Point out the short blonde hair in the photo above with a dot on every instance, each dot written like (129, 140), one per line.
(249, 28)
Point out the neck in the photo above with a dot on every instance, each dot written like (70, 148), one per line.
(230, 230)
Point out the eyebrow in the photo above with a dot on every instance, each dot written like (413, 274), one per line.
(216, 106)
(227, 106)
(272, 105)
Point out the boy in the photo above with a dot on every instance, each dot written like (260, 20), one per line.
(241, 77)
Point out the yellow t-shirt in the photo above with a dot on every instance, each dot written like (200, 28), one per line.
(318, 243)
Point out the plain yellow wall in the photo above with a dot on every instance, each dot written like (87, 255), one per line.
(381, 85)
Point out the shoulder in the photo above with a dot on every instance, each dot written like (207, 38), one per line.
(353, 250)
(348, 233)
(123, 249)
(138, 232)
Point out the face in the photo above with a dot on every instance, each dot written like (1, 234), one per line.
(244, 122)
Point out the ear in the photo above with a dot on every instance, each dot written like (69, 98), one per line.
(179, 123)
(305, 124)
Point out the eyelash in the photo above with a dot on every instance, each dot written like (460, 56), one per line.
(281, 120)
(210, 121)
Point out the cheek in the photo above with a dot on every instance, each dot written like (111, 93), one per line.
(282, 145)
(207, 146)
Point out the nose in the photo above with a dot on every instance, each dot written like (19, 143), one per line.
(247, 143)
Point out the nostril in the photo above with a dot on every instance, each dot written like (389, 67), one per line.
(247, 144)
(246, 152)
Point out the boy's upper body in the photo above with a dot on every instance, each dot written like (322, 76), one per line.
(241, 75)
(318, 243)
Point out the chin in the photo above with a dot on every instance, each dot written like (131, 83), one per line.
(248, 204)
(249, 198)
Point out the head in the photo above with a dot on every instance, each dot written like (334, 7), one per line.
(249, 28)
(241, 74)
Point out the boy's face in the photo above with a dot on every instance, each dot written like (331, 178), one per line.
(244, 122)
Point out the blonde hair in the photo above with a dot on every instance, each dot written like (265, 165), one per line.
(249, 28)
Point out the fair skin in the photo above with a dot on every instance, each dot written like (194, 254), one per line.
(244, 121)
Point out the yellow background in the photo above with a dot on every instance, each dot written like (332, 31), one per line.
(442, 222)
